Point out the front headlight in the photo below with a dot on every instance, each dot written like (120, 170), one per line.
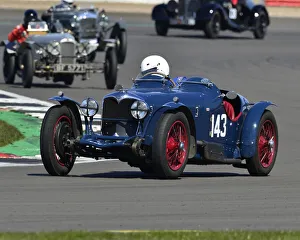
(139, 109)
(53, 48)
(89, 107)
(83, 48)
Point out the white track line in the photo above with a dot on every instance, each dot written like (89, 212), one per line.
(78, 161)
(26, 108)
(14, 95)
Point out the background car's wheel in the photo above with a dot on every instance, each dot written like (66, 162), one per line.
(92, 56)
(56, 129)
(171, 145)
(28, 68)
(161, 27)
(9, 67)
(68, 79)
(261, 25)
(213, 27)
(121, 46)
(110, 68)
(263, 160)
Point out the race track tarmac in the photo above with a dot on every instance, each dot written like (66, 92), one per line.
(111, 195)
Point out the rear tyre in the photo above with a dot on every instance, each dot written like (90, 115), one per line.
(9, 67)
(213, 27)
(56, 129)
(260, 24)
(121, 46)
(171, 145)
(264, 158)
(28, 68)
(161, 27)
(110, 68)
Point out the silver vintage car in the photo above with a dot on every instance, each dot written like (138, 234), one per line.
(56, 56)
(89, 24)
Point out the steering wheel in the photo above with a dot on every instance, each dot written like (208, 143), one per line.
(163, 75)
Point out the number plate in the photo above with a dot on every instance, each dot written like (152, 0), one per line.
(70, 68)
(233, 13)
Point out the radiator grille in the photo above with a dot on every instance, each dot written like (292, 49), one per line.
(67, 52)
(88, 28)
(113, 109)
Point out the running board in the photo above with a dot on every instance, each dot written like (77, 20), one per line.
(214, 153)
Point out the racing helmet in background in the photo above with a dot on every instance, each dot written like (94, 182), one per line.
(68, 2)
(155, 63)
(30, 15)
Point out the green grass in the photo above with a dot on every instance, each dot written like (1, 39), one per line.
(8, 134)
(155, 235)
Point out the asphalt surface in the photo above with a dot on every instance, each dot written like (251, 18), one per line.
(111, 195)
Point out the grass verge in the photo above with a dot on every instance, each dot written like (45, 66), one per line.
(29, 127)
(155, 235)
(8, 134)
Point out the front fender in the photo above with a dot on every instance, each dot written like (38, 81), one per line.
(206, 12)
(250, 128)
(159, 13)
(119, 26)
(150, 125)
(74, 111)
(255, 13)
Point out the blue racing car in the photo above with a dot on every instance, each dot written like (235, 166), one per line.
(161, 124)
(212, 16)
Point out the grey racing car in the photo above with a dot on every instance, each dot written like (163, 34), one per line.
(56, 56)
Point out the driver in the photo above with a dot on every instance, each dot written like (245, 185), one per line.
(154, 63)
(64, 5)
(19, 33)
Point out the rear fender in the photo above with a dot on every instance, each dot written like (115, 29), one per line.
(255, 13)
(159, 13)
(250, 128)
(74, 111)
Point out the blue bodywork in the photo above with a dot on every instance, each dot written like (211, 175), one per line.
(198, 98)
(191, 15)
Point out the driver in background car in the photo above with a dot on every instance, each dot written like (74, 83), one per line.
(65, 5)
(19, 33)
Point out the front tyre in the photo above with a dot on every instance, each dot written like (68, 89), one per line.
(171, 145)
(110, 68)
(68, 79)
(121, 46)
(161, 28)
(260, 25)
(56, 129)
(213, 27)
(264, 158)
(28, 68)
(9, 67)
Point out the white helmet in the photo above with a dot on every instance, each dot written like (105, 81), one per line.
(67, 1)
(155, 62)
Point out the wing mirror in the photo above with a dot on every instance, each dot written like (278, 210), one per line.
(231, 95)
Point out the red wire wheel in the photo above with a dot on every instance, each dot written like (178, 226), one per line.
(267, 143)
(170, 148)
(176, 145)
(264, 159)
